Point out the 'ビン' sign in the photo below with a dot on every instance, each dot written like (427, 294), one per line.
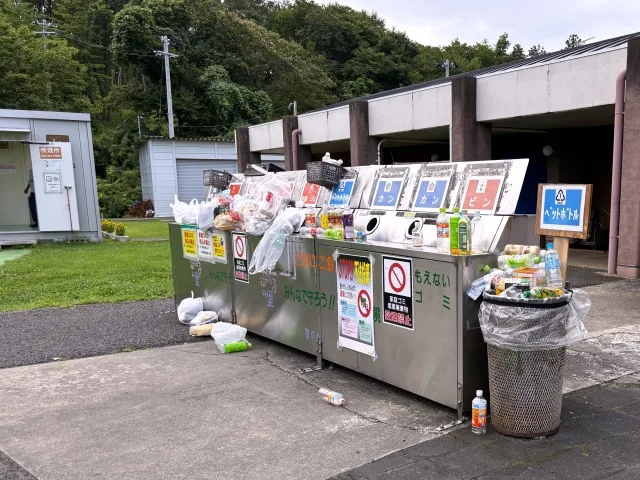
(482, 194)
(563, 210)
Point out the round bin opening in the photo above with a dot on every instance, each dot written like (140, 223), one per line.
(372, 225)
(414, 227)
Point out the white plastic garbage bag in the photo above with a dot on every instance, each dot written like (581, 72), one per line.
(224, 333)
(203, 318)
(183, 213)
(205, 215)
(189, 308)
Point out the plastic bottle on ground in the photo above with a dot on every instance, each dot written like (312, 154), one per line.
(454, 221)
(442, 228)
(464, 234)
(552, 267)
(477, 233)
(331, 397)
(479, 414)
(240, 346)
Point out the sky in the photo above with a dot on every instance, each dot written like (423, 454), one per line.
(544, 22)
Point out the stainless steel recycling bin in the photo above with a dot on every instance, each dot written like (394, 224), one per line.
(526, 355)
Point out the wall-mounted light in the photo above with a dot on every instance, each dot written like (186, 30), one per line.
(548, 150)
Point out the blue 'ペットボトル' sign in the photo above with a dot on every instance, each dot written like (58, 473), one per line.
(341, 193)
(388, 193)
(431, 194)
(563, 208)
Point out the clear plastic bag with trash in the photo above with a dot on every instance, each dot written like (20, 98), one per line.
(524, 325)
(271, 246)
(189, 308)
(203, 318)
(227, 333)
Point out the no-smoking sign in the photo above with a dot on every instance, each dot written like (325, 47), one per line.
(239, 247)
(364, 303)
(397, 291)
(241, 269)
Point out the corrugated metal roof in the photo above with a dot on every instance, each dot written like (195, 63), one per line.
(190, 139)
(588, 49)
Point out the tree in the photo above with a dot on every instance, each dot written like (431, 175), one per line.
(573, 41)
(536, 51)
(517, 52)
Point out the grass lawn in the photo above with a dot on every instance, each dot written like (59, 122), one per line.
(146, 228)
(63, 275)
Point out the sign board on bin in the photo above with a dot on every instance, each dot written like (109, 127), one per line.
(240, 264)
(388, 191)
(205, 250)
(310, 194)
(189, 242)
(431, 194)
(355, 303)
(341, 193)
(397, 292)
(482, 193)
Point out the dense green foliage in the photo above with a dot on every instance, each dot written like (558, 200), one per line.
(239, 62)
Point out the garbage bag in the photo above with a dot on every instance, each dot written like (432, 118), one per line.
(224, 333)
(270, 248)
(203, 318)
(205, 215)
(189, 308)
(520, 325)
(180, 209)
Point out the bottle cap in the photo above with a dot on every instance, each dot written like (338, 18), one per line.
(549, 246)
(456, 210)
(341, 401)
(479, 393)
(443, 210)
(477, 212)
(464, 212)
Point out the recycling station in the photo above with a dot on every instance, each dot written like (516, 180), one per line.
(383, 304)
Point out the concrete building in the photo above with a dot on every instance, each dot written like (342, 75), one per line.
(174, 167)
(61, 201)
(556, 109)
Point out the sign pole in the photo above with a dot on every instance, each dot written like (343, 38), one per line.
(561, 245)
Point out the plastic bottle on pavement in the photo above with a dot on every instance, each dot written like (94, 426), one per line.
(240, 346)
(334, 398)
(442, 228)
(477, 233)
(479, 414)
(552, 267)
(454, 221)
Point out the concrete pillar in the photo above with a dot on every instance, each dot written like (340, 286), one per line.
(471, 140)
(629, 245)
(364, 149)
(245, 155)
(289, 124)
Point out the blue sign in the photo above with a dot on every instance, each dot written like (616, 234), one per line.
(431, 194)
(563, 207)
(388, 193)
(341, 193)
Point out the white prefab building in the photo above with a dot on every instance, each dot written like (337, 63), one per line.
(47, 177)
(174, 167)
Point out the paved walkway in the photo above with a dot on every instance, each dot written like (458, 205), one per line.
(599, 438)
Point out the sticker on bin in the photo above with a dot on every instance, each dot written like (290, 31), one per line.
(341, 193)
(310, 194)
(240, 264)
(388, 192)
(431, 194)
(397, 292)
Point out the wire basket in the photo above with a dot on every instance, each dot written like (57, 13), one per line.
(215, 178)
(324, 173)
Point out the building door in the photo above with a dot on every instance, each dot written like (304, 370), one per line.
(14, 172)
(190, 175)
(55, 187)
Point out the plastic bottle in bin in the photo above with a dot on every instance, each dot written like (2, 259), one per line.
(552, 267)
(479, 414)
(442, 229)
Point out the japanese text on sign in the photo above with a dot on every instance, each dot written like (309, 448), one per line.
(355, 294)
(341, 193)
(431, 194)
(308, 260)
(563, 207)
(219, 247)
(234, 189)
(482, 193)
(397, 292)
(388, 193)
(50, 153)
(205, 252)
(240, 264)
(52, 183)
(189, 243)
(310, 194)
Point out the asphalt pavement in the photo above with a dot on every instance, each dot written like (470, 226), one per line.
(38, 336)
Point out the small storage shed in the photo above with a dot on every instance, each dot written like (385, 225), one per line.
(47, 177)
(174, 167)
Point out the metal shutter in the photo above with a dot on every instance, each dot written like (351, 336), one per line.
(190, 176)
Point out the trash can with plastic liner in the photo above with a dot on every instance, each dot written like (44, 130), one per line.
(526, 345)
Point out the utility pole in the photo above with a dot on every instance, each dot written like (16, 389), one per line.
(293, 106)
(46, 25)
(165, 53)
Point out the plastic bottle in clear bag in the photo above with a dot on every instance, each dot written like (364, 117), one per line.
(552, 266)
(477, 233)
(517, 261)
